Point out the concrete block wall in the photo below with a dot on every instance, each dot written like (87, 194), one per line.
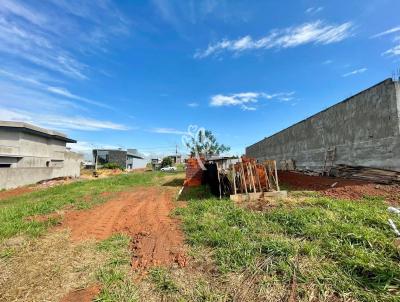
(364, 129)
(16, 177)
(31, 150)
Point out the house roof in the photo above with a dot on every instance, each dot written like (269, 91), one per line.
(130, 154)
(217, 157)
(28, 128)
(134, 155)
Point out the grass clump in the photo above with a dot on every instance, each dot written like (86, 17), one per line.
(115, 276)
(195, 193)
(339, 248)
(163, 281)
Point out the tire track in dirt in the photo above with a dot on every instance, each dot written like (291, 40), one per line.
(143, 214)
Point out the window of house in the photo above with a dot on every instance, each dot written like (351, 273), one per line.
(56, 163)
(102, 157)
(8, 162)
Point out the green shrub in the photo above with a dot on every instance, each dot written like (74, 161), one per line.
(166, 162)
(112, 166)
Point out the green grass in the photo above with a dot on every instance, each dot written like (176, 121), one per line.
(340, 248)
(15, 211)
(162, 280)
(115, 276)
(195, 193)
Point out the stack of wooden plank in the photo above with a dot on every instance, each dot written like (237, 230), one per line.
(248, 176)
(368, 174)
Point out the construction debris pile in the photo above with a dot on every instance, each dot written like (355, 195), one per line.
(244, 180)
(194, 172)
(367, 174)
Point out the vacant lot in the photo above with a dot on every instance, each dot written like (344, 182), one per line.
(126, 238)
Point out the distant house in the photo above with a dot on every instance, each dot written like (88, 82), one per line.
(156, 164)
(223, 162)
(29, 154)
(123, 158)
(176, 158)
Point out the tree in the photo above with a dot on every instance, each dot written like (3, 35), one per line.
(205, 144)
(166, 162)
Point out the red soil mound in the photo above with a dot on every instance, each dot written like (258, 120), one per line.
(82, 295)
(143, 214)
(339, 187)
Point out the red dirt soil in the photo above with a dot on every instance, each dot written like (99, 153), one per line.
(82, 295)
(344, 188)
(15, 192)
(143, 214)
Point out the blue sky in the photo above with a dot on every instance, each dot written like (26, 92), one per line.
(136, 74)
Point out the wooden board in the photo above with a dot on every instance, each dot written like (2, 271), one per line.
(258, 195)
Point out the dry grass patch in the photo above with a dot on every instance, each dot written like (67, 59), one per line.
(201, 281)
(46, 268)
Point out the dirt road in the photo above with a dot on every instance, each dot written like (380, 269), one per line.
(143, 214)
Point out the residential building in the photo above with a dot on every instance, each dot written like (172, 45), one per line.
(123, 158)
(29, 154)
(176, 158)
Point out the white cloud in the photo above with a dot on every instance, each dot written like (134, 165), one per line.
(31, 80)
(64, 92)
(354, 72)
(395, 51)
(51, 35)
(314, 10)
(327, 62)
(316, 32)
(30, 44)
(193, 105)
(59, 121)
(244, 99)
(26, 98)
(387, 32)
(168, 131)
(20, 10)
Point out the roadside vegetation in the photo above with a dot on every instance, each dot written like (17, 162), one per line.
(166, 162)
(16, 213)
(112, 166)
(305, 248)
(309, 247)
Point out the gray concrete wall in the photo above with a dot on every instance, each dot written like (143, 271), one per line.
(32, 150)
(16, 177)
(364, 129)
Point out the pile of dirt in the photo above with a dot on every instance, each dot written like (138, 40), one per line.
(143, 214)
(339, 187)
(82, 295)
(44, 184)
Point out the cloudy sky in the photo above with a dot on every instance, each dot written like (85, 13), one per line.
(136, 74)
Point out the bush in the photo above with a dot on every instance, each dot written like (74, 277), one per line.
(166, 162)
(112, 166)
